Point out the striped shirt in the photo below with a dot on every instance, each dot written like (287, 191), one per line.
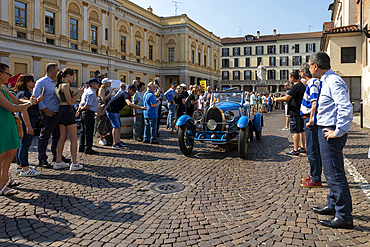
(311, 94)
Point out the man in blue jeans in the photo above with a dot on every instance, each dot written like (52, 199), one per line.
(151, 114)
(333, 118)
(308, 107)
(171, 105)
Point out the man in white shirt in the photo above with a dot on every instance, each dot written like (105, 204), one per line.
(253, 102)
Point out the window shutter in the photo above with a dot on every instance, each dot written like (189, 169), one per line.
(281, 62)
(314, 47)
(306, 47)
(262, 49)
(256, 50)
(300, 60)
(281, 49)
(287, 61)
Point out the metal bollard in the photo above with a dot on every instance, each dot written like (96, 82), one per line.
(361, 114)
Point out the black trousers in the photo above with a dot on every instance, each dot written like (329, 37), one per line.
(87, 133)
(159, 116)
(51, 128)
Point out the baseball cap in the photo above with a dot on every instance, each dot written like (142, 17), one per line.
(173, 84)
(183, 85)
(132, 87)
(106, 80)
(92, 80)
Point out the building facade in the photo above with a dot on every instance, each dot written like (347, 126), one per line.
(115, 37)
(279, 53)
(347, 41)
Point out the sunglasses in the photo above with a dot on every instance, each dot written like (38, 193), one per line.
(10, 75)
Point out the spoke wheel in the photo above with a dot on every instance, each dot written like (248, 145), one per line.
(186, 137)
(243, 142)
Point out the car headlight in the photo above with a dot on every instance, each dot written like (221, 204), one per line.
(211, 124)
(197, 115)
(229, 116)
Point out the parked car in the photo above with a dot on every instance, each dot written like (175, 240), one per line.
(228, 120)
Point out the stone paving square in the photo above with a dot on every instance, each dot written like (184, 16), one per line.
(226, 201)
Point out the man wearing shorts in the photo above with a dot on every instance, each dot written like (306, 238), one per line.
(294, 98)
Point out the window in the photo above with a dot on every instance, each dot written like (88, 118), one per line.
(236, 51)
(50, 41)
(225, 52)
(296, 48)
(123, 57)
(74, 46)
(236, 75)
(21, 35)
(150, 52)
(297, 60)
(247, 62)
(225, 63)
(348, 55)
(123, 44)
(171, 54)
(137, 48)
(73, 26)
(271, 49)
(49, 22)
(214, 64)
(20, 10)
(192, 57)
(93, 50)
(307, 59)
(259, 50)
(123, 78)
(284, 49)
(272, 61)
(259, 60)
(284, 74)
(106, 34)
(94, 35)
(284, 61)
(236, 62)
(311, 47)
(205, 61)
(75, 81)
(137, 60)
(225, 75)
(247, 51)
(199, 56)
(247, 75)
(271, 74)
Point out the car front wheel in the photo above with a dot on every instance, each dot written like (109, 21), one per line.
(186, 137)
(243, 142)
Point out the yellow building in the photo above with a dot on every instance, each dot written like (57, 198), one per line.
(279, 53)
(115, 37)
(347, 41)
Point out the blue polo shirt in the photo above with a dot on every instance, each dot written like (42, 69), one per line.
(50, 98)
(149, 100)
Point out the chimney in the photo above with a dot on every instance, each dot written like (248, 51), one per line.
(258, 34)
(150, 9)
(274, 32)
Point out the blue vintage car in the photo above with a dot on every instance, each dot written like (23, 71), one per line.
(228, 120)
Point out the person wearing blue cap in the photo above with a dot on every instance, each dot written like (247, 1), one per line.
(113, 108)
(171, 105)
(88, 106)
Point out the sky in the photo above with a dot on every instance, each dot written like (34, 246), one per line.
(234, 17)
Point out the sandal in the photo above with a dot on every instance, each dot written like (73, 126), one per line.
(14, 183)
(8, 192)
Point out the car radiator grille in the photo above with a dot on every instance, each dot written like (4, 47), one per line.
(216, 115)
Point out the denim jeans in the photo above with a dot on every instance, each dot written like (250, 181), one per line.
(51, 128)
(150, 129)
(269, 108)
(26, 141)
(87, 132)
(171, 115)
(339, 198)
(313, 151)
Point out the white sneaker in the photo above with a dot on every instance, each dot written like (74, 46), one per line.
(31, 172)
(76, 167)
(60, 165)
(103, 142)
(285, 128)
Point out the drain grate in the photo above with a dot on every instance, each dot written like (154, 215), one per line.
(167, 187)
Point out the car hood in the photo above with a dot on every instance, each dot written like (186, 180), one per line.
(228, 106)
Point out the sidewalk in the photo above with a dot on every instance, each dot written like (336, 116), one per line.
(356, 119)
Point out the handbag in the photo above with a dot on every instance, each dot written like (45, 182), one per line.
(19, 126)
(101, 110)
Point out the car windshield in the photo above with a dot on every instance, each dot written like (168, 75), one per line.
(222, 97)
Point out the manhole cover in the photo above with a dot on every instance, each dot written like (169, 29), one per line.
(167, 187)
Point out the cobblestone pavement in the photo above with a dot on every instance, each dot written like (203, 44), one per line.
(226, 201)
